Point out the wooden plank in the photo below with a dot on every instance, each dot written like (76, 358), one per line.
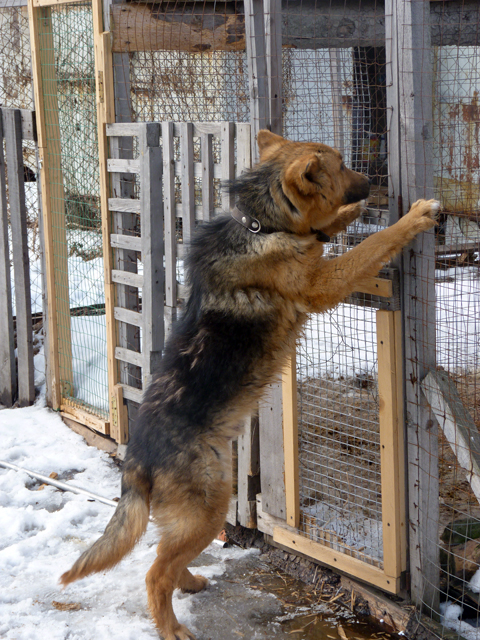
(187, 182)
(126, 277)
(130, 393)
(339, 561)
(416, 149)
(248, 473)
(377, 287)
(138, 28)
(131, 243)
(206, 142)
(59, 355)
(170, 222)
(13, 3)
(84, 417)
(456, 423)
(400, 443)
(29, 126)
(127, 355)
(8, 371)
(290, 442)
(153, 334)
(266, 523)
(106, 113)
(257, 69)
(121, 129)
(244, 150)
(227, 151)
(218, 170)
(272, 474)
(123, 205)
(12, 129)
(127, 165)
(53, 3)
(128, 316)
(391, 432)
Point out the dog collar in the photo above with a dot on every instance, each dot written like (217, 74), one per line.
(252, 224)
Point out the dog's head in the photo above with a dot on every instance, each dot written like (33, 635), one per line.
(314, 180)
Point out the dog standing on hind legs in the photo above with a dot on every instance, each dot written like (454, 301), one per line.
(254, 277)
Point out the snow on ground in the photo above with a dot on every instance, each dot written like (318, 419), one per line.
(42, 532)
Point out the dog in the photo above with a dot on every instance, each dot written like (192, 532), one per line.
(254, 276)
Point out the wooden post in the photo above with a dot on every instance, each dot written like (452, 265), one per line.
(290, 442)
(392, 450)
(56, 255)
(8, 374)
(257, 69)
(272, 470)
(416, 155)
(170, 222)
(248, 474)
(106, 114)
(273, 46)
(151, 218)
(12, 126)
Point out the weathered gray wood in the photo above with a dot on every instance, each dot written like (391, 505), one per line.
(120, 129)
(198, 169)
(187, 181)
(123, 205)
(153, 335)
(128, 316)
(257, 69)
(170, 221)
(273, 44)
(29, 127)
(227, 151)
(272, 468)
(337, 92)
(206, 140)
(456, 423)
(8, 373)
(119, 241)
(244, 149)
(130, 393)
(12, 123)
(123, 166)
(248, 453)
(416, 149)
(129, 356)
(125, 277)
(12, 3)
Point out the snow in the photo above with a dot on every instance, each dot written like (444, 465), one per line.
(42, 532)
(450, 618)
(474, 584)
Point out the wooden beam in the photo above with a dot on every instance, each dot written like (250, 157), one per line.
(59, 354)
(377, 287)
(69, 410)
(8, 371)
(290, 442)
(390, 393)
(338, 561)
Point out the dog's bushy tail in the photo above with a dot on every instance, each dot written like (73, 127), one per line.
(126, 527)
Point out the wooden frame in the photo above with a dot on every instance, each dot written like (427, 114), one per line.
(390, 389)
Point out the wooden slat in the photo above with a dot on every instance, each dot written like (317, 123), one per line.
(128, 316)
(86, 418)
(248, 452)
(227, 144)
(244, 149)
(130, 393)
(131, 243)
(290, 442)
(153, 334)
(128, 278)
(336, 560)
(121, 129)
(106, 113)
(124, 205)
(187, 181)
(8, 373)
(129, 356)
(123, 166)
(59, 355)
(273, 50)
(377, 287)
(170, 221)
(53, 3)
(29, 127)
(272, 471)
(391, 443)
(12, 124)
(206, 140)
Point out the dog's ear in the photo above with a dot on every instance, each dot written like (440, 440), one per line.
(306, 173)
(268, 142)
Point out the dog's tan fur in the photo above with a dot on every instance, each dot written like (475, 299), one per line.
(250, 296)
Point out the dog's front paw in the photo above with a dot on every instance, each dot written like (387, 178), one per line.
(180, 633)
(422, 215)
